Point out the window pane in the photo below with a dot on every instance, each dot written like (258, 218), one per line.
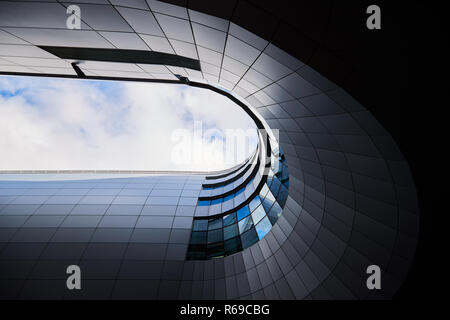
(239, 191)
(268, 201)
(215, 236)
(216, 201)
(215, 224)
(275, 185)
(230, 231)
(254, 203)
(245, 224)
(215, 250)
(229, 219)
(196, 252)
(243, 212)
(233, 245)
(274, 213)
(282, 196)
(263, 227)
(200, 225)
(198, 237)
(249, 238)
(228, 197)
(202, 203)
(258, 214)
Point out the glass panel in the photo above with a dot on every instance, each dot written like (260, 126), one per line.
(202, 203)
(258, 214)
(268, 202)
(243, 212)
(196, 252)
(215, 235)
(264, 191)
(230, 231)
(269, 178)
(275, 185)
(228, 197)
(215, 224)
(200, 225)
(233, 245)
(239, 191)
(198, 237)
(254, 203)
(215, 250)
(229, 219)
(282, 196)
(249, 238)
(245, 224)
(285, 175)
(275, 164)
(216, 201)
(274, 213)
(263, 227)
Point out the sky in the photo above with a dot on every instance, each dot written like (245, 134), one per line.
(73, 124)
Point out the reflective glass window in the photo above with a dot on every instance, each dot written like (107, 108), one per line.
(229, 219)
(243, 212)
(233, 245)
(274, 213)
(256, 201)
(198, 237)
(258, 214)
(215, 236)
(215, 224)
(216, 201)
(200, 225)
(245, 224)
(263, 227)
(230, 231)
(249, 238)
(215, 250)
(202, 203)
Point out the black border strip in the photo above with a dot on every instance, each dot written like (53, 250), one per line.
(123, 55)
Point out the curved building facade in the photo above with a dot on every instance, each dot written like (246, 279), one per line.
(302, 218)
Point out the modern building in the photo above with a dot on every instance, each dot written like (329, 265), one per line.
(302, 218)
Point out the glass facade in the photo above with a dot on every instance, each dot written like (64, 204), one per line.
(224, 234)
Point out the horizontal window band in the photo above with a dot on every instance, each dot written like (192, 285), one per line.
(242, 185)
(228, 173)
(243, 204)
(123, 55)
(226, 182)
(235, 172)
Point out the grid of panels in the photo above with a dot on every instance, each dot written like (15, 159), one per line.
(115, 228)
(352, 200)
(223, 235)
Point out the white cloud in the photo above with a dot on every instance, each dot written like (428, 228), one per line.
(57, 124)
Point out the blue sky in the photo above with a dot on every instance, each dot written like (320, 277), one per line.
(60, 124)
